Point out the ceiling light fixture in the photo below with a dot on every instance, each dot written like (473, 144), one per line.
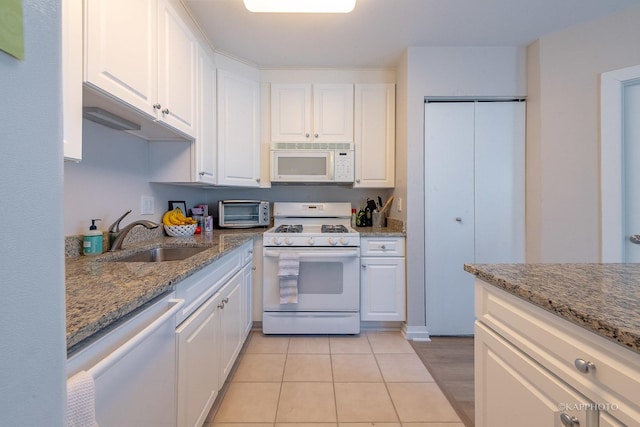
(300, 6)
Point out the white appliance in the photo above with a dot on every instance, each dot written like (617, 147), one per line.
(134, 368)
(243, 213)
(312, 162)
(328, 280)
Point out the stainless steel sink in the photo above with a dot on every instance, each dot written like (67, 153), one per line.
(161, 254)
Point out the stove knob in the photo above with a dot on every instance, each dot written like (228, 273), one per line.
(332, 241)
(288, 241)
(276, 241)
(343, 241)
(310, 241)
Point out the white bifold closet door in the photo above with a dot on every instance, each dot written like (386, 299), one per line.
(474, 202)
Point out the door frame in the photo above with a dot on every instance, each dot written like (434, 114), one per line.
(611, 163)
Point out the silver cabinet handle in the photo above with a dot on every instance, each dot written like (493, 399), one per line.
(306, 135)
(569, 421)
(358, 180)
(221, 305)
(584, 366)
(458, 219)
(165, 111)
(316, 135)
(201, 173)
(257, 179)
(364, 266)
(225, 300)
(157, 106)
(383, 247)
(635, 239)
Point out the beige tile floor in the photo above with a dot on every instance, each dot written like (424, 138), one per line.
(331, 381)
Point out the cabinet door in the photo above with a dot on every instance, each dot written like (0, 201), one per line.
(206, 146)
(512, 389)
(247, 299)
(198, 364)
(238, 131)
(290, 112)
(375, 135)
(177, 70)
(121, 51)
(333, 112)
(449, 217)
(72, 79)
(382, 287)
(231, 325)
(499, 182)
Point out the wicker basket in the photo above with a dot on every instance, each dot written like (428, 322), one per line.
(180, 230)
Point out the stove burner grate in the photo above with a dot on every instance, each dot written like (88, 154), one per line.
(334, 229)
(285, 228)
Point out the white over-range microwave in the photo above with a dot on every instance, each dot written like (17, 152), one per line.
(312, 162)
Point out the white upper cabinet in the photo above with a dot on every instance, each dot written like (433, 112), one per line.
(72, 79)
(143, 54)
(238, 130)
(206, 147)
(177, 50)
(305, 112)
(375, 128)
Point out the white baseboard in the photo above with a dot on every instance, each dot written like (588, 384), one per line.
(415, 333)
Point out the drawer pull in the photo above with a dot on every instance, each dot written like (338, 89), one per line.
(584, 366)
(569, 421)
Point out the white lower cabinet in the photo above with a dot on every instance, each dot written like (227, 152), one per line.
(382, 279)
(198, 362)
(533, 368)
(517, 390)
(231, 326)
(247, 298)
(212, 333)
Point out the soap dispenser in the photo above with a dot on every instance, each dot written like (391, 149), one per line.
(92, 242)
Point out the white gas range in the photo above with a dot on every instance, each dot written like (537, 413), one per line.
(311, 280)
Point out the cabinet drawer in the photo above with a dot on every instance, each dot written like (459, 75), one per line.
(196, 289)
(247, 252)
(556, 344)
(382, 246)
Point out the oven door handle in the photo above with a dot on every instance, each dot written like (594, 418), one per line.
(315, 254)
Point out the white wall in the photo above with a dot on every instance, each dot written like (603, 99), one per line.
(32, 337)
(442, 72)
(111, 178)
(563, 134)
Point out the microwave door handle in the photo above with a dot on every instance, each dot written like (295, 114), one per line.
(332, 167)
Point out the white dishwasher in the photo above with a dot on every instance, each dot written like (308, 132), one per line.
(134, 368)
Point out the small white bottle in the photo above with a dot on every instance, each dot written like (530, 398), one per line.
(92, 241)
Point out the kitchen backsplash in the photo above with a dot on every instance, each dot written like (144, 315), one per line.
(73, 244)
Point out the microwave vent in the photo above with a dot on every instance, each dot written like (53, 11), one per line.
(312, 146)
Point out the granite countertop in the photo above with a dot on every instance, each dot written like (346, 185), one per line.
(99, 292)
(603, 298)
(394, 228)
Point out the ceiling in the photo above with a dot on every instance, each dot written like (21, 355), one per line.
(377, 31)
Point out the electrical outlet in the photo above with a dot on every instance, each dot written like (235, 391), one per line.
(399, 204)
(146, 205)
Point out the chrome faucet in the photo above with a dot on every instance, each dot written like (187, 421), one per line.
(116, 236)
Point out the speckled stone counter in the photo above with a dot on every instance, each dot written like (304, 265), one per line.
(603, 298)
(100, 292)
(394, 228)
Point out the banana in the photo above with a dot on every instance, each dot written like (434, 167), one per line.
(185, 219)
(176, 217)
(165, 218)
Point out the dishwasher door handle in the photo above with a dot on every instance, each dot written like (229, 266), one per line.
(106, 363)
